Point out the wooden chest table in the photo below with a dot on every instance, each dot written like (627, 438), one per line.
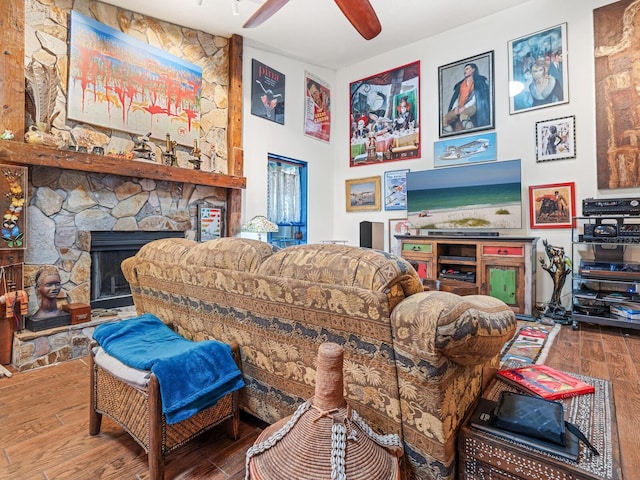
(483, 456)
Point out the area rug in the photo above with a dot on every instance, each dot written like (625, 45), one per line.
(530, 344)
(594, 414)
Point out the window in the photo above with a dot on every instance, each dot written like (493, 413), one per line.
(287, 200)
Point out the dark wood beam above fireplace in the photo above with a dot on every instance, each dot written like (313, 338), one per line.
(27, 154)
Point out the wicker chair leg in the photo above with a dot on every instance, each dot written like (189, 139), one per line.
(233, 424)
(156, 457)
(95, 418)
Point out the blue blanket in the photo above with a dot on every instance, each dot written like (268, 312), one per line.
(192, 375)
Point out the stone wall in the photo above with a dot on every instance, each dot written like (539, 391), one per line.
(46, 41)
(65, 206)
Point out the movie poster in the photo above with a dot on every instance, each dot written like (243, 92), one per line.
(267, 92)
(317, 108)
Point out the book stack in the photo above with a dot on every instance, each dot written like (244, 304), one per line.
(630, 311)
(544, 381)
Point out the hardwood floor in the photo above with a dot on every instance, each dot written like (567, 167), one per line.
(44, 419)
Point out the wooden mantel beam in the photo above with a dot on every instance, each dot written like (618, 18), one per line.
(27, 154)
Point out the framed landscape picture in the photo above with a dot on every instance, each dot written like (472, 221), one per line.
(385, 116)
(466, 95)
(552, 205)
(119, 82)
(538, 73)
(363, 194)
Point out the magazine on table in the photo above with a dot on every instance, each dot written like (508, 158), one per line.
(544, 381)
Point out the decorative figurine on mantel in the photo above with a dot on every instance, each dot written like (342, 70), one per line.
(48, 285)
(144, 148)
(169, 154)
(195, 156)
(559, 267)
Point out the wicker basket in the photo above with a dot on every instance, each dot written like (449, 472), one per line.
(324, 438)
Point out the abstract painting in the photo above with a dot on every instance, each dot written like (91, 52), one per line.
(119, 82)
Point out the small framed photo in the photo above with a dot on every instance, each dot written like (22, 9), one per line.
(210, 222)
(395, 190)
(553, 205)
(397, 226)
(462, 150)
(466, 95)
(363, 194)
(538, 73)
(556, 139)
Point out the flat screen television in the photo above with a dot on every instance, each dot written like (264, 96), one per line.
(481, 197)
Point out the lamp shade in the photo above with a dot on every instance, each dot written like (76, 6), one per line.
(260, 224)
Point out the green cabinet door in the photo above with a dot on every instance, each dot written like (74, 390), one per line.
(502, 284)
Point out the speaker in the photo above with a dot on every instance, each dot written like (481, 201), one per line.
(372, 235)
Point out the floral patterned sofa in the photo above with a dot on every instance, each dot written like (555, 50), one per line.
(413, 360)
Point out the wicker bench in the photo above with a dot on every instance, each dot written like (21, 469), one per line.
(139, 411)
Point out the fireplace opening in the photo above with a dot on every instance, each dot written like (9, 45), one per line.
(109, 288)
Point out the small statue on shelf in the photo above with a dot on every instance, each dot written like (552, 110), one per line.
(559, 268)
(145, 148)
(169, 155)
(47, 282)
(195, 156)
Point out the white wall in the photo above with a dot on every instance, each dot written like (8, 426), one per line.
(329, 163)
(261, 137)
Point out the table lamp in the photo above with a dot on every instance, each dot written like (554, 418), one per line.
(260, 224)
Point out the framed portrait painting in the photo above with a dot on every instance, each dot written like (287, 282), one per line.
(363, 194)
(395, 190)
(552, 205)
(466, 95)
(385, 116)
(538, 73)
(556, 139)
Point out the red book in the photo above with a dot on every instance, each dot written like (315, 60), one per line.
(545, 382)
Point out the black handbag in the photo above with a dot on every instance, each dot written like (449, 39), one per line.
(535, 417)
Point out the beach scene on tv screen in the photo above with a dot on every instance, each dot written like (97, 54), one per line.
(485, 197)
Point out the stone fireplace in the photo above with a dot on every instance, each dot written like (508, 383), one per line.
(67, 208)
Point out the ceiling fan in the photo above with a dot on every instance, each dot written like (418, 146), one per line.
(359, 12)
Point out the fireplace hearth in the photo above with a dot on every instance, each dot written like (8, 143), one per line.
(109, 289)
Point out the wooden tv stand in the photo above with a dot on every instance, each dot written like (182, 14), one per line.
(503, 267)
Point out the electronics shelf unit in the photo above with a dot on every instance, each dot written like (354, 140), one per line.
(502, 267)
(606, 271)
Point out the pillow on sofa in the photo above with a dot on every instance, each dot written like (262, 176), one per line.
(230, 253)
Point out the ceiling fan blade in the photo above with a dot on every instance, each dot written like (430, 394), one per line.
(362, 16)
(266, 10)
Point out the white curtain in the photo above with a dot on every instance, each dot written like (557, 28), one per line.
(284, 193)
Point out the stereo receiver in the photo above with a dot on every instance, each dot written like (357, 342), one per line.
(605, 231)
(610, 206)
